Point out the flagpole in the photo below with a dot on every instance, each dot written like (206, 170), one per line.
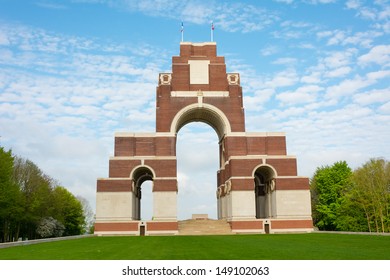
(212, 31)
(182, 32)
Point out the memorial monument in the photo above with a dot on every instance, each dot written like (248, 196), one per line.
(258, 189)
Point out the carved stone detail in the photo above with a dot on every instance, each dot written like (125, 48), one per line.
(233, 78)
(165, 78)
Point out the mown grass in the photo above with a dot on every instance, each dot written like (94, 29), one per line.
(237, 247)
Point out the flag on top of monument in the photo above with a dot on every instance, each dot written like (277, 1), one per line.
(182, 31)
(212, 31)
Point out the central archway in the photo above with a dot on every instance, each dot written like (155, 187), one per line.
(209, 116)
(197, 163)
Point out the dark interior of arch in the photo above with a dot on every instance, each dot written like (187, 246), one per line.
(264, 174)
(141, 175)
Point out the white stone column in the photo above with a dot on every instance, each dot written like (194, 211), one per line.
(229, 206)
(223, 207)
(134, 204)
(242, 205)
(114, 206)
(219, 210)
(292, 204)
(165, 205)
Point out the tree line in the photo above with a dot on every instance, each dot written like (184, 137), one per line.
(352, 200)
(33, 205)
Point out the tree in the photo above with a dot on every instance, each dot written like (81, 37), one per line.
(36, 189)
(351, 216)
(68, 211)
(328, 186)
(30, 204)
(88, 214)
(372, 193)
(10, 199)
(352, 201)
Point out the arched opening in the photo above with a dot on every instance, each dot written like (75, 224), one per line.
(198, 157)
(207, 114)
(142, 177)
(197, 164)
(264, 177)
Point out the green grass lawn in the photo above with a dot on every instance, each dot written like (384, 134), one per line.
(231, 247)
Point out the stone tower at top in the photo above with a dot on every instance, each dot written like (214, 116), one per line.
(199, 77)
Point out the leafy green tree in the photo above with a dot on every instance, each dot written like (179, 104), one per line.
(351, 216)
(36, 189)
(68, 211)
(372, 193)
(328, 186)
(30, 205)
(11, 203)
(10, 199)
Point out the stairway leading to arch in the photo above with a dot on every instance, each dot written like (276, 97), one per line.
(204, 227)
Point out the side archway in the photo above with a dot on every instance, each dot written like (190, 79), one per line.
(139, 175)
(264, 180)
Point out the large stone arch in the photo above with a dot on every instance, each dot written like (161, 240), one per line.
(206, 113)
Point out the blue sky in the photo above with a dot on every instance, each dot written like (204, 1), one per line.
(72, 73)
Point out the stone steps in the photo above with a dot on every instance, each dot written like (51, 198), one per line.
(204, 227)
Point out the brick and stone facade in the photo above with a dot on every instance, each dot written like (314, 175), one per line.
(258, 188)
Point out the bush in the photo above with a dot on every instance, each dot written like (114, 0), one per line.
(50, 227)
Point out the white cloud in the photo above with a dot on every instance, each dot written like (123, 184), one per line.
(339, 59)
(312, 78)
(377, 75)
(379, 54)
(315, 2)
(227, 16)
(285, 78)
(3, 39)
(364, 39)
(285, 60)
(337, 38)
(385, 108)
(373, 96)
(269, 50)
(347, 37)
(380, 11)
(258, 101)
(353, 4)
(285, 1)
(338, 72)
(304, 94)
(323, 34)
(347, 88)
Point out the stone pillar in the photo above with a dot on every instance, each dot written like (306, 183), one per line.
(165, 205)
(243, 205)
